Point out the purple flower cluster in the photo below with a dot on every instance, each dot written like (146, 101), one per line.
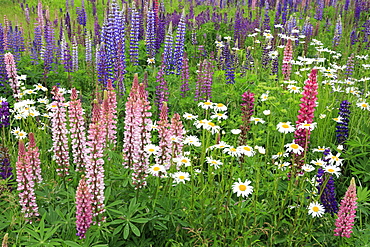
(203, 90)
(5, 166)
(342, 127)
(247, 108)
(4, 113)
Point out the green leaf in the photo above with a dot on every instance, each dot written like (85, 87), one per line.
(126, 231)
(140, 220)
(117, 230)
(71, 243)
(134, 229)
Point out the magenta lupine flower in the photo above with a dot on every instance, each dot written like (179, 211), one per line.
(110, 113)
(288, 55)
(34, 158)
(11, 70)
(94, 164)
(83, 208)
(59, 133)
(26, 184)
(165, 143)
(306, 114)
(347, 212)
(177, 130)
(203, 89)
(77, 130)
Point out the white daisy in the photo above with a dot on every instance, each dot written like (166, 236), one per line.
(219, 116)
(151, 149)
(219, 107)
(295, 148)
(318, 162)
(285, 127)
(156, 169)
(180, 177)
(257, 120)
(246, 150)
(242, 188)
(308, 168)
(206, 105)
(308, 126)
(232, 151)
(315, 209)
(235, 131)
(215, 163)
(332, 169)
(189, 116)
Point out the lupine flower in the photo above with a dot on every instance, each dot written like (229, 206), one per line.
(94, 164)
(288, 55)
(203, 90)
(179, 45)
(165, 144)
(177, 130)
(342, 127)
(110, 113)
(134, 36)
(83, 208)
(347, 212)
(338, 32)
(150, 33)
(247, 112)
(26, 184)
(74, 55)
(162, 91)
(185, 76)
(306, 114)
(59, 133)
(77, 130)
(12, 73)
(5, 166)
(34, 158)
(168, 60)
(4, 113)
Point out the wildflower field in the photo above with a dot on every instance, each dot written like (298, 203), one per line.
(184, 123)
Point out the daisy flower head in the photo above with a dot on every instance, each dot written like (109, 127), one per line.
(234, 152)
(212, 127)
(189, 116)
(206, 105)
(319, 149)
(308, 168)
(192, 140)
(318, 162)
(260, 149)
(295, 148)
(322, 116)
(246, 150)
(156, 169)
(257, 120)
(363, 105)
(332, 169)
(293, 89)
(180, 177)
(219, 116)
(182, 160)
(21, 135)
(285, 127)
(222, 144)
(201, 123)
(40, 87)
(219, 107)
(242, 188)
(279, 154)
(334, 159)
(264, 96)
(212, 162)
(307, 126)
(150, 60)
(282, 165)
(43, 101)
(151, 149)
(315, 209)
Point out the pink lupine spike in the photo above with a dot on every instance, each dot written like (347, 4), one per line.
(83, 208)
(34, 157)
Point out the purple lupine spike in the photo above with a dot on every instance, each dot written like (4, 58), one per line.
(74, 55)
(342, 127)
(49, 47)
(120, 63)
(350, 66)
(5, 166)
(101, 64)
(37, 44)
(229, 65)
(288, 56)
(185, 76)
(168, 52)
(266, 20)
(67, 58)
(358, 9)
(81, 14)
(180, 42)
(4, 113)
(150, 40)
(319, 10)
(162, 92)
(353, 36)
(134, 36)
(337, 32)
(161, 31)
(346, 5)
(88, 50)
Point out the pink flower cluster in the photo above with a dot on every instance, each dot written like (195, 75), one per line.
(34, 156)
(83, 208)
(137, 133)
(110, 113)
(77, 130)
(347, 212)
(177, 137)
(288, 55)
(94, 164)
(26, 183)
(307, 109)
(59, 133)
(165, 143)
(11, 70)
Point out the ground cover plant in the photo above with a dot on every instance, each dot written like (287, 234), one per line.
(184, 123)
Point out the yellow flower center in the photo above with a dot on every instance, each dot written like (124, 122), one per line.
(21, 134)
(220, 105)
(156, 168)
(364, 105)
(213, 162)
(211, 124)
(232, 149)
(242, 187)
(285, 126)
(151, 149)
(219, 114)
(307, 125)
(294, 146)
(330, 170)
(246, 148)
(208, 103)
(315, 209)
(181, 177)
(256, 119)
(294, 88)
(184, 161)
